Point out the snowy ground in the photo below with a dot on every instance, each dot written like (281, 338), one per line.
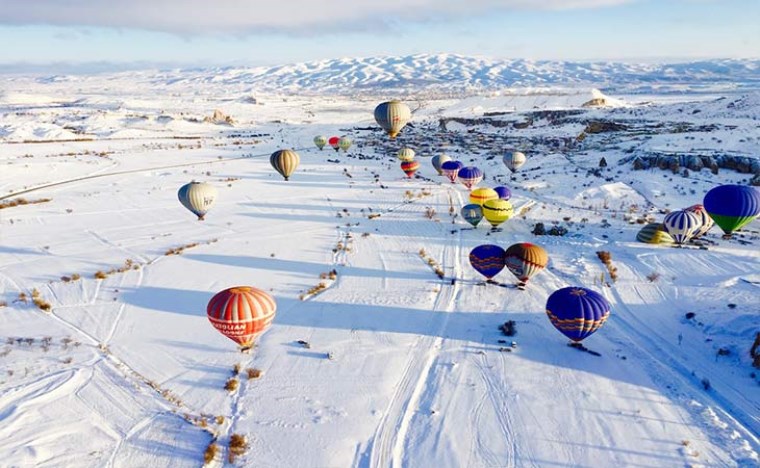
(127, 371)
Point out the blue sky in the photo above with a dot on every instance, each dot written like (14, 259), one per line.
(253, 32)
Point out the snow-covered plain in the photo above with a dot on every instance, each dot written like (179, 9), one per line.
(127, 370)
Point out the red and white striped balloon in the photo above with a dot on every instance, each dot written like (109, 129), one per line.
(241, 314)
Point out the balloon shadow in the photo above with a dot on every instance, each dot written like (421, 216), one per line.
(308, 269)
(176, 301)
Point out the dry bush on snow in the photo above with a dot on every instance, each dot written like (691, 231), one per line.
(238, 446)
(232, 385)
(254, 373)
(21, 201)
(210, 454)
(40, 302)
(606, 258)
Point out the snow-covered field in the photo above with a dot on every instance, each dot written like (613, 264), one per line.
(127, 370)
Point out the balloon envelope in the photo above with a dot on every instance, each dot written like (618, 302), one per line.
(704, 218)
(198, 197)
(392, 116)
(732, 206)
(451, 169)
(503, 192)
(681, 225)
(438, 160)
(577, 312)
(470, 176)
(285, 162)
(410, 168)
(472, 213)
(524, 260)
(514, 161)
(482, 195)
(241, 313)
(405, 154)
(335, 143)
(320, 141)
(496, 211)
(487, 259)
(654, 233)
(344, 143)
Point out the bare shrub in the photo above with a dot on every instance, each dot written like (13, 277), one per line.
(210, 454)
(231, 385)
(238, 446)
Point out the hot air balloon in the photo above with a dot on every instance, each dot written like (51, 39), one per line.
(285, 162)
(472, 213)
(198, 197)
(335, 143)
(451, 169)
(438, 161)
(514, 161)
(320, 141)
(241, 314)
(732, 206)
(497, 211)
(503, 192)
(410, 168)
(577, 312)
(704, 218)
(482, 195)
(344, 143)
(681, 225)
(392, 116)
(654, 233)
(525, 260)
(405, 154)
(488, 260)
(470, 176)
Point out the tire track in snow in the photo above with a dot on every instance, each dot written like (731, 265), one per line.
(387, 447)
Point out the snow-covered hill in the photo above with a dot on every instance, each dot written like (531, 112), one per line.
(457, 73)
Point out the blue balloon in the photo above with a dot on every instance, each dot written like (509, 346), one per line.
(472, 213)
(487, 259)
(577, 312)
(732, 206)
(504, 192)
(452, 165)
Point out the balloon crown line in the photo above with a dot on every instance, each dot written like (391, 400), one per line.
(578, 292)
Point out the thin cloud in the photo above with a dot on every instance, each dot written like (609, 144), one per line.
(252, 16)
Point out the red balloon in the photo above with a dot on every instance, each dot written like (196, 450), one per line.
(241, 314)
(334, 142)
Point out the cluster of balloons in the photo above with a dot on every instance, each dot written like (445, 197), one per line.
(337, 143)
(729, 206)
(575, 311)
(524, 260)
(488, 203)
(243, 313)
